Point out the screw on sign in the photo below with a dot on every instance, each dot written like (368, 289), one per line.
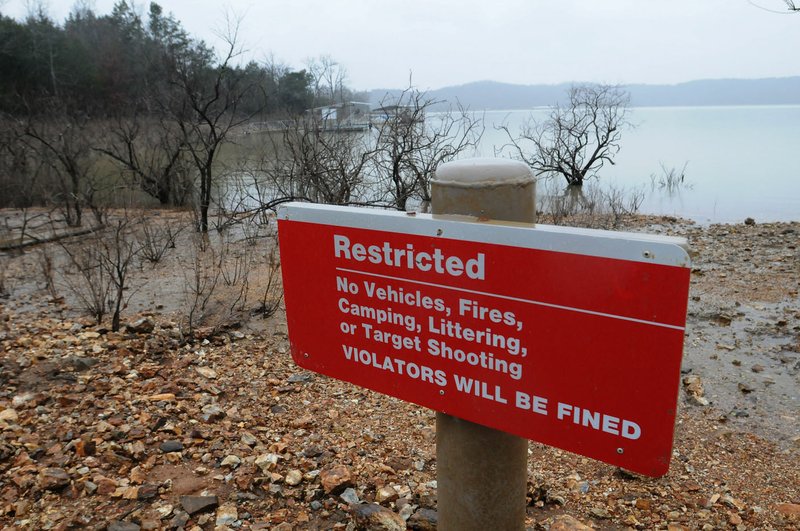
(506, 326)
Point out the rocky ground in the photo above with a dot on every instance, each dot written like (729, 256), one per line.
(142, 429)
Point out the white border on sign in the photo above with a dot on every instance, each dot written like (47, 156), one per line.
(632, 246)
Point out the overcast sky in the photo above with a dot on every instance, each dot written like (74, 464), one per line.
(451, 42)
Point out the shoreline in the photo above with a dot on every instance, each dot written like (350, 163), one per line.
(99, 426)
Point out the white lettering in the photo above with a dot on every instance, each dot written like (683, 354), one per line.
(630, 430)
(409, 258)
(590, 419)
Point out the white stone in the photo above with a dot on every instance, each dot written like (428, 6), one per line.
(231, 461)
(9, 415)
(206, 372)
(226, 514)
(267, 462)
(349, 496)
(293, 477)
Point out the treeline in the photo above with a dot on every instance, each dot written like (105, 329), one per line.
(105, 65)
(125, 99)
(102, 105)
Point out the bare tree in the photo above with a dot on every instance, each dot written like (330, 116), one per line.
(328, 79)
(21, 172)
(151, 153)
(791, 7)
(310, 163)
(63, 141)
(86, 277)
(156, 238)
(15, 166)
(102, 263)
(206, 109)
(410, 145)
(5, 290)
(118, 248)
(201, 278)
(390, 164)
(576, 139)
(273, 288)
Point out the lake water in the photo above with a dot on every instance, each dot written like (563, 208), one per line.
(740, 161)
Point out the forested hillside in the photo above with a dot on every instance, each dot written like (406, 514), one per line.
(123, 63)
(132, 100)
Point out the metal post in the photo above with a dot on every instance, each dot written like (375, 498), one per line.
(481, 473)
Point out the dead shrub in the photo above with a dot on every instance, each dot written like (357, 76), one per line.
(86, 278)
(46, 262)
(201, 275)
(273, 287)
(155, 239)
(588, 206)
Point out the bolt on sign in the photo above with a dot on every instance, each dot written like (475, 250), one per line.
(570, 337)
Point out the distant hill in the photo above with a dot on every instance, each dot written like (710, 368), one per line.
(493, 95)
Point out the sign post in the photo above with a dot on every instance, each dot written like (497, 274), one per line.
(481, 473)
(569, 337)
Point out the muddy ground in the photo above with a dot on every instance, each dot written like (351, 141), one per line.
(161, 427)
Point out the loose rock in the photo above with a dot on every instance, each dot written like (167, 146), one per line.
(147, 492)
(212, 413)
(423, 520)
(693, 385)
(267, 462)
(335, 479)
(206, 372)
(374, 517)
(249, 439)
(53, 478)
(162, 397)
(231, 461)
(349, 496)
(564, 522)
(386, 494)
(195, 504)
(9, 415)
(171, 446)
(179, 520)
(141, 326)
(89, 487)
(226, 515)
(293, 477)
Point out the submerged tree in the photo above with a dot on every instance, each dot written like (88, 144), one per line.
(576, 139)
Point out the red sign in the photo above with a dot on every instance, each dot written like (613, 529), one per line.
(569, 337)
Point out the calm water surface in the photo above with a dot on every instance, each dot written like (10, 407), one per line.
(740, 161)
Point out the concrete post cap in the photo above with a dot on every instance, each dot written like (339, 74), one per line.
(483, 171)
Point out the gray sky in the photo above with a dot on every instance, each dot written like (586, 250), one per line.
(450, 42)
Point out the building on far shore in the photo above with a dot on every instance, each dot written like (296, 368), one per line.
(346, 116)
(343, 117)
